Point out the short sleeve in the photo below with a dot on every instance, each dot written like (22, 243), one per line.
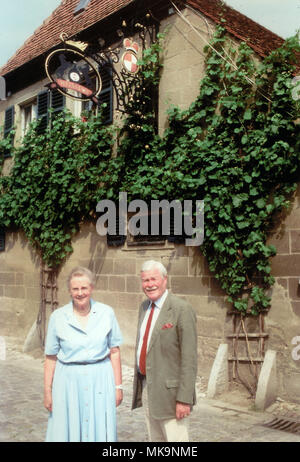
(52, 345)
(115, 336)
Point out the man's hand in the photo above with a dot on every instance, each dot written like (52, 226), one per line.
(182, 410)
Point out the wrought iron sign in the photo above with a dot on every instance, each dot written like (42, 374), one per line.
(69, 70)
(75, 68)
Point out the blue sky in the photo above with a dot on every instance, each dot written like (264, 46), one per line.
(279, 16)
(20, 18)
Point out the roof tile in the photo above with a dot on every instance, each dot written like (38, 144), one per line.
(63, 19)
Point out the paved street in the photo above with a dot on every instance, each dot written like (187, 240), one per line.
(24, 419)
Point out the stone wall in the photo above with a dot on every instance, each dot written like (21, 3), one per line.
(117, 269)
(118, 284)
(283, 321)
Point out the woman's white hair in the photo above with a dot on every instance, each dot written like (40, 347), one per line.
(81, 271)
(152, 264)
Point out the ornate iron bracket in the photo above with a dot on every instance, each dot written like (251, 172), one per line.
(74, 57)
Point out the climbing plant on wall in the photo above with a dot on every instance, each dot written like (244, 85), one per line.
(55, 181)
(237, 147)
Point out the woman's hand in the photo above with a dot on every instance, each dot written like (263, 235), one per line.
(49, 368)
(119, 397)
(115, 357)
(48, 400)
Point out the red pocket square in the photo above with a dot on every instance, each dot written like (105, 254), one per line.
(167, 326)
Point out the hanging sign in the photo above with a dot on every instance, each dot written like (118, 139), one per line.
(73, 74)
(129, 58)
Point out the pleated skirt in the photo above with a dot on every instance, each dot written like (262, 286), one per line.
(83, 403)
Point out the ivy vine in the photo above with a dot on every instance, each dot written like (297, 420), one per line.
(237, 147)
(56, 179)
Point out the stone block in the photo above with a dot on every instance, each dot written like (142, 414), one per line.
(176, 267)
(281, 242)
(190, 285)
(267, 385)
(130, 302)
(33, 293)
(101, 282)
(116, 284)
(295, 241)
(32, 279)
(198, 266)
(218, 379)
(285, 265)
(7, 278)
(294, 288)
(296, 308)
(108, 298)
(103, 266)
(20, 279)
(127, 266)
(291, 385)
(216, 289)
(133, 284)
(14, 291)
(210, 327)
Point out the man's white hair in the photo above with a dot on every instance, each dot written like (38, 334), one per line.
(152, 264)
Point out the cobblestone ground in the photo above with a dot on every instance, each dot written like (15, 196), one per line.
(24, 419)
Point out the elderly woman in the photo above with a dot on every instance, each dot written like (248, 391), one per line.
(82, 374)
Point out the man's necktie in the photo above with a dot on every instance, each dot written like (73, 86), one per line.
(145, 341)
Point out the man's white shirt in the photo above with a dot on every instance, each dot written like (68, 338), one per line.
(158, 305)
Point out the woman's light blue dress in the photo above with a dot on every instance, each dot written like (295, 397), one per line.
(83, 389)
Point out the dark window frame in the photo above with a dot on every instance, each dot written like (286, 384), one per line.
(9, 121)
(81, 6)
(2, 240)
(46, 100)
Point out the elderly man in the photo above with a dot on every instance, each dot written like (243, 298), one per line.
(166, 358)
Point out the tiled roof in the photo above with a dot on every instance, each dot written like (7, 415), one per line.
(261, 40)
(62, 19)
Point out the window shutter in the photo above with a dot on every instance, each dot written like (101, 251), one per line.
(42, 110)
(117, 239)
(2, 240)
(57, 101)
(106, 94)
(9, 120)
(176, 234)
(8, 125)
(45, 100)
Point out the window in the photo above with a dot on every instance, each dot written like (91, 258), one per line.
(81, 6)
(28, 114)
(48, 100)
(115, 240)
(154, 224)
(175, 234)
(105, 96)
(9, 125)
